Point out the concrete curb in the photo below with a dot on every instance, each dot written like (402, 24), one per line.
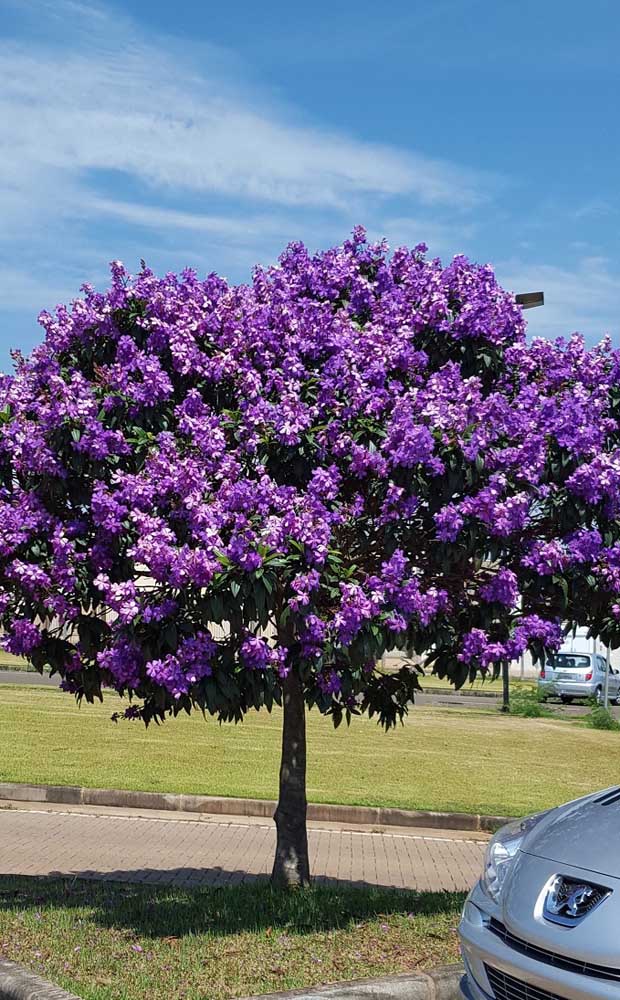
(317, 812)
(442, 983)
(17, 983)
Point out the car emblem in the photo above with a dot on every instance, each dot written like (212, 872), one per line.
(569, 900)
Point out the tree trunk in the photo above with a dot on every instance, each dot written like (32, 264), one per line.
(291, 867)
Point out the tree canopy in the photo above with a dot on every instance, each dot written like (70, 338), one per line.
(356, 451)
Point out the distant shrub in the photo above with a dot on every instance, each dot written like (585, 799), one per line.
(528, 703)
(601, 718)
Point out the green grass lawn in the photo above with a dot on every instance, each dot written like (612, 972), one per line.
(446, 759)
(123, 942)
(10, 662)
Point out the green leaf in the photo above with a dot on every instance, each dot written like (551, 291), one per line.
(171, 637)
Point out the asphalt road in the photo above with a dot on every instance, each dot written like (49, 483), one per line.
(27, 677)
(457, 700)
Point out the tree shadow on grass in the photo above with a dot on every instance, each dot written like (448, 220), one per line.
(165, 911)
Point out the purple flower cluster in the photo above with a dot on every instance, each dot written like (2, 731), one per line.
(449, 522)
(24, 636)
(502, 588)
(478, 647)
(176, 673)
(282, 457)
(122, 663)
(257, 653)
(330, 682)
(546, 558)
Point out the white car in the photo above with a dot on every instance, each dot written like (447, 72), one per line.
(578, 675)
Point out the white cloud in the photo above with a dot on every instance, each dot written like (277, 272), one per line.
(130, 106)
(244, 227)
(583, 299)
(106, 129)
(595, 208)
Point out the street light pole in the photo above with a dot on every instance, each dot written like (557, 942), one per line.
(607, 669)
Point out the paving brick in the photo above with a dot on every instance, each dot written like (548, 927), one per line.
(132, 848)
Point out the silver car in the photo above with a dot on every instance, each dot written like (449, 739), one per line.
(543, 923)
(578, 675)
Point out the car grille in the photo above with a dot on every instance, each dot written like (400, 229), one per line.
(506, 987)
(551, 957)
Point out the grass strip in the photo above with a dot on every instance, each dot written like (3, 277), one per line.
(126, 942)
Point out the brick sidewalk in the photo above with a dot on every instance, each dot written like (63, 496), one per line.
(192, 852)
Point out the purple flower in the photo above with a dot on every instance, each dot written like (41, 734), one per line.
(503, 588)
(533, 627)
(396, 622)
(356, 608)
(546, 558)
(449, 522)
(584, 545)
(123, 662)
(23, 638)
(312, 635)
(303, 586)
(168, 674)
(195, 655)
(257, 654)
(329, 683)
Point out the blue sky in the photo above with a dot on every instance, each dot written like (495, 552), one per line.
(212, 134)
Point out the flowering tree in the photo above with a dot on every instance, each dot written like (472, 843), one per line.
(221, 498)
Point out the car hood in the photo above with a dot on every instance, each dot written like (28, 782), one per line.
(583, 834)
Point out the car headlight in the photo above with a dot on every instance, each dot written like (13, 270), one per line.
(501, 852)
